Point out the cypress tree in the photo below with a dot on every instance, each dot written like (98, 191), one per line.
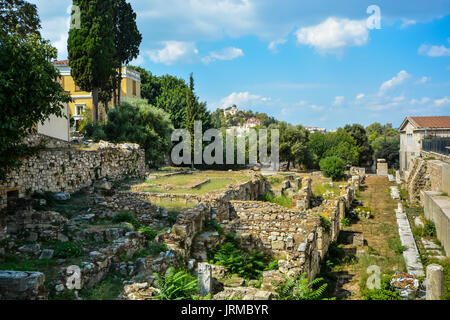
(91, 48)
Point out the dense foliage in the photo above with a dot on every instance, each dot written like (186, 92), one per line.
(247, 264)
(332, 167)
(29, 90)
(300, 288)
(137, 121)
(175, 285)
(91, 47)
(171, 94)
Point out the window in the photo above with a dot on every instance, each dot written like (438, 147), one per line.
(79, 109)
(134, 88)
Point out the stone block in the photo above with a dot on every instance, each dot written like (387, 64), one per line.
(20, 285)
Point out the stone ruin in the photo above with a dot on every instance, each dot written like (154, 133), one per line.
(298, 237)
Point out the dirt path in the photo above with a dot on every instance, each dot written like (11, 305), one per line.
(380, 235)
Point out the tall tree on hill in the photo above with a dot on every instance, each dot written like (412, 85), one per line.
(91, 48)
(127, 40)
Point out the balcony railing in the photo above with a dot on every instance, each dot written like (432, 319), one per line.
(437, 145)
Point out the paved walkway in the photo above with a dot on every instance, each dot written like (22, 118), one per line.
(411, 254)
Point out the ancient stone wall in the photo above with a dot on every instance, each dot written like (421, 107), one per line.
(21, 285)
(217, 205)
(61, 168)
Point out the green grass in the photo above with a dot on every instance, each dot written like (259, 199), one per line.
(218, 180)
(280, 200)
(320, 188)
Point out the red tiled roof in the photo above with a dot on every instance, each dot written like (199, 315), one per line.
(432, 122)
(61, 62)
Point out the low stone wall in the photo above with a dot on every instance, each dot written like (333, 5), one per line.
(216, 205)
(437, 209)
(291, 236)
(21, 285)
(68, 169)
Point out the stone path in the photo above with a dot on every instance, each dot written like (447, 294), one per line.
(395, 193)
(432, 249)
(411, 254)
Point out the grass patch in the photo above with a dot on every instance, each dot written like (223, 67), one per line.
(280, 200)
(109, 289)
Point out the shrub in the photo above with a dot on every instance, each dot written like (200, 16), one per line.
(429, 229)
(213, 224)
(68, 250)
(332, 167)
(346, 222)
(248, 265)
(149, 232)
(126, 216)
(174, 285)
(386, 292)
(281, 200)
(300, 288)
(156, 248)
(397, 246)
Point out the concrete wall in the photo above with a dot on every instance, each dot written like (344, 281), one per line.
(57, 127)
(437, 209)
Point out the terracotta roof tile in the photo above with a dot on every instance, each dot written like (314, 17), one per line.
(61, 62)
(432, 122)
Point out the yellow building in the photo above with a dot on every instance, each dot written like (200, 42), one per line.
(82, 100)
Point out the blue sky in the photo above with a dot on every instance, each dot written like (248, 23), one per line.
(306, 62)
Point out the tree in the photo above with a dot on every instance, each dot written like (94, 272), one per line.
(29, 87)
(358, 133)
(92, 49)
(127, 39)
(332, 167)
(20, 17)
(294, 144)
(137, 121)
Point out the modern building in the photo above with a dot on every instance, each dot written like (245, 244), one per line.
(412, 132)
(82, 100)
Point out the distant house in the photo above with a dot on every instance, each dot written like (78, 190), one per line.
(316, 129)
(412, 132)
(252, 123)
(82, 100)
(230, 111)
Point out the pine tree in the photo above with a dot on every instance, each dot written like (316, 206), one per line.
(91, 48)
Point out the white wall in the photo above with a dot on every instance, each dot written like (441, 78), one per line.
(57, 127)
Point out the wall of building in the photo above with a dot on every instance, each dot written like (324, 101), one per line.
(57, 127)
(437, 209)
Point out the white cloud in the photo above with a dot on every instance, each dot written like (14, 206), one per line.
(334, 34)
(442, 102)
(338, 100)
(423, 80)
(138, 61)
(229, 53)
(434, 51)
(407, 22)
(395, 81)
(317, 108)
(360, 96)
(57, 31)
(421, 101)
(173, 52)
(242, 98)
(273, 45)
